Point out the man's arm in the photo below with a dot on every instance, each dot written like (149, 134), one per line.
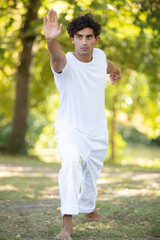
(51, 32)
(115, 73)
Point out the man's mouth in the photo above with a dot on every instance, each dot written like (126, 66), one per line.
(84, 48)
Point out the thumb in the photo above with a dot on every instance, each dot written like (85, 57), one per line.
(113, 81)
(61, 27)
(111, 75)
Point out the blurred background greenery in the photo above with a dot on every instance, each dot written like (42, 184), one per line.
(28, 97)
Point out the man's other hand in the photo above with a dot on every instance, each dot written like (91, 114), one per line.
(116, 75)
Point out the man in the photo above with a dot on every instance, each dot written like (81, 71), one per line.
(81, 125)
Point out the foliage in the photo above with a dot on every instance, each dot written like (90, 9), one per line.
(130, 38)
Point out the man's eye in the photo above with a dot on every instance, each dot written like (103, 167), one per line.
(89, 37)
(79, 37)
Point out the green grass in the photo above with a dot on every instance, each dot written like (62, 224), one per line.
(129, 197)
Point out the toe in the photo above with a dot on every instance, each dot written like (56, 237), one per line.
(63, 237)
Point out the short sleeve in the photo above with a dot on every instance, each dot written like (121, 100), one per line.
(61, 75)
(60, 78)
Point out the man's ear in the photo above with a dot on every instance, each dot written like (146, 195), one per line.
(97, 38)
(72, 39)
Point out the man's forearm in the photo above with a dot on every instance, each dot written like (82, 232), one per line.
(54, 49)
(110, 67)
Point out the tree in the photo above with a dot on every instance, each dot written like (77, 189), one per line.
(27, 36)
(130, 38)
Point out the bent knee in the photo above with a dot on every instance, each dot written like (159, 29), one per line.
(70, 155)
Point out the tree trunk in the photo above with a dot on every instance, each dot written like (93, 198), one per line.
(19, 125)
(112, 134)
(113, 129)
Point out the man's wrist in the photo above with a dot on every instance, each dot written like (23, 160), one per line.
(50, 40)
(117, 70)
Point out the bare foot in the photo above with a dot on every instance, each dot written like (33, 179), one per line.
(93, 216)
(66, 228)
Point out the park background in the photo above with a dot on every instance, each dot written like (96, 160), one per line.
(128, 187)
(28, 96)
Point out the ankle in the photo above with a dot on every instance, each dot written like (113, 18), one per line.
(67, 216)
(88, 214)
(67, 220)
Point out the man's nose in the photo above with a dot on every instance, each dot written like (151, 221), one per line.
(84, 40)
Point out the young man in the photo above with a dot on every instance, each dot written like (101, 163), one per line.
(81, 125)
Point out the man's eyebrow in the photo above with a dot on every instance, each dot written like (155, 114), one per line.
(89, 35)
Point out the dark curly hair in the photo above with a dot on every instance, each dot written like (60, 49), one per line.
(82, 22)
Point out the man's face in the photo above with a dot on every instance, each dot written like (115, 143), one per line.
(84, 41)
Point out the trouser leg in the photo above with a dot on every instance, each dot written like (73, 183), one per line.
(69, 179)
(91, 170)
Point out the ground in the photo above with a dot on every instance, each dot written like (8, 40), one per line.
(129, 198)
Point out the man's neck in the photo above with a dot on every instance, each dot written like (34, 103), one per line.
(83, 58)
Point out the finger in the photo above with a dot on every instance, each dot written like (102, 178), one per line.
(50, 16)
(111, 77)
(118, 77)
(61, 27)
(55, 16)
(45, 20)
(113, 82)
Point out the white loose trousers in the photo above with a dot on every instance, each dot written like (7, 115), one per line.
(82, 160)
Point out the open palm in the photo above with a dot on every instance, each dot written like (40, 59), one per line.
(51, 28)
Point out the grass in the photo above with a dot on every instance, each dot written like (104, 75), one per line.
(129, 197)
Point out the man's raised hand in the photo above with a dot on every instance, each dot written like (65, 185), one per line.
(51, 28)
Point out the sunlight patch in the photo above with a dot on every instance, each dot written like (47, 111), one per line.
(134, 192)
(18, 174)
(8, 188)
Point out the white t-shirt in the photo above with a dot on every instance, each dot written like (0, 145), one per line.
(82, 95)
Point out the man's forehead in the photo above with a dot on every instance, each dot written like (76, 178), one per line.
(85, 32)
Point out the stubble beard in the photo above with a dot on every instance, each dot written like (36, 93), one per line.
(83, 52)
